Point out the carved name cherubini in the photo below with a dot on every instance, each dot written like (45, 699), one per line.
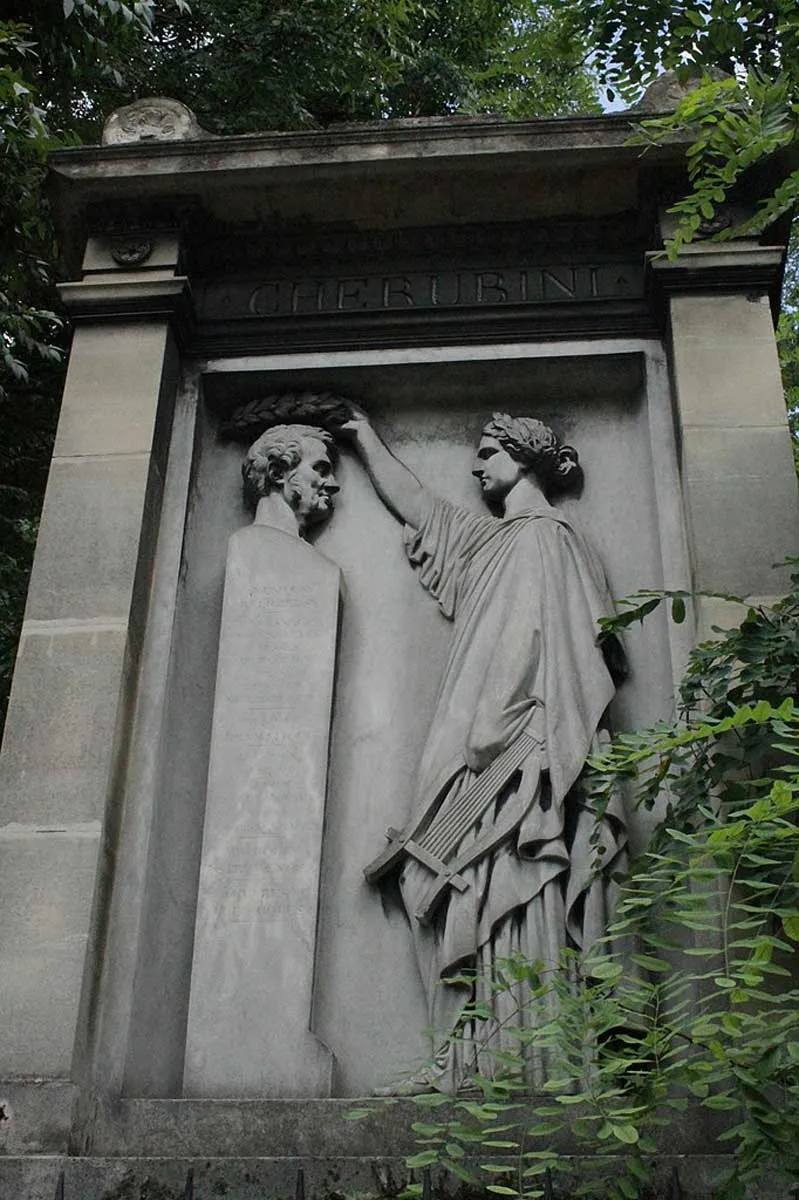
(444, 289)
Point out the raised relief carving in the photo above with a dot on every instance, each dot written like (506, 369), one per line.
(153, 119)
(131, 251)
(289, 477)
(267, 772)
(289, 470)
(497, 856)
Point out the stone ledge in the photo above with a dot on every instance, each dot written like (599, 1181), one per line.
(45, 1177)
(315, 1129)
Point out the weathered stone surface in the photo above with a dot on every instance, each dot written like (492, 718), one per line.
(88, 543)
(152, 119)
(46, 889)
(68, 675)
(267, 782)
(113, 375)
(314, 1129)
(734, 476)
(37, 1116)
(725, 360)
(98, 257)
(693, 1177)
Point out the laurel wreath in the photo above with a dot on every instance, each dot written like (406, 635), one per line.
(325, 410)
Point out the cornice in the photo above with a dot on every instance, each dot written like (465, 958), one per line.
(146, 299)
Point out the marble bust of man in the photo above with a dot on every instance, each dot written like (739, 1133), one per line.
(289, 477)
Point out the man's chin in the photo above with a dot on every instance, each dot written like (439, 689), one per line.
(323, 512)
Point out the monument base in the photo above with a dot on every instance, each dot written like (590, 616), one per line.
(280, 1149)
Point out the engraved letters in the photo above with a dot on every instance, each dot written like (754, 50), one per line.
(506, 286)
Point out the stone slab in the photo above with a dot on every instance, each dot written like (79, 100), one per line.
(60, 728)
(744, 506)
(40, 1178)
(111, 391)
(311, 1129)
(255, 937)
(725, 361)
(36, 1116)
(46, 889)
(164, 253)
(88, 539)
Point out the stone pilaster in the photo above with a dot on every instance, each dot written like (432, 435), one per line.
(737, 465)
(76, 670)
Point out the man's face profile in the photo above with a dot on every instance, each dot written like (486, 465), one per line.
(309, 487)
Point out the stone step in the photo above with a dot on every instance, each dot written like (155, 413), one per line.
(58, 1177)
(313, 1128)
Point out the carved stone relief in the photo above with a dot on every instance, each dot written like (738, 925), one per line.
(131, 251)
(289, 469)
(498, 855)
(153, 119)
(267, 776)
(496, 858)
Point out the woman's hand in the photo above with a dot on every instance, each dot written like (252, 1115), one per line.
(358, 424)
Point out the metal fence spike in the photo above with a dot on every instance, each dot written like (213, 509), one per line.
(188, 1191)
(427, 1184)
(548, 1193)
(676, 1192)
(59, 1187)
(299, 1191)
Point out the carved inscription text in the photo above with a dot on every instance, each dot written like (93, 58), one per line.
(513, 285)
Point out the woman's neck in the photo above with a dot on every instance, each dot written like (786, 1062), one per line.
(524, 496)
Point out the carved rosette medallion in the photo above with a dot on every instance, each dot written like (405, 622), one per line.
(131, 251)
(154, 119)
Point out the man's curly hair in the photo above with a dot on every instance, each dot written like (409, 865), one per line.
(275, 452)
(535, 445)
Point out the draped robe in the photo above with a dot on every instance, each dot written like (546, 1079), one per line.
(525, 594)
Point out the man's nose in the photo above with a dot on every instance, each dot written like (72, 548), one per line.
(332, 487)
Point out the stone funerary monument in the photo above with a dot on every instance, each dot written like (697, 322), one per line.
(311, 372)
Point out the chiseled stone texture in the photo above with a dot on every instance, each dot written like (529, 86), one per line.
(46, 889)
(68, 680)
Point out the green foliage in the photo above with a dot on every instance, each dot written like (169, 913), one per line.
(745, 57)
(691, 1003)
(788, 340)
(343, 60)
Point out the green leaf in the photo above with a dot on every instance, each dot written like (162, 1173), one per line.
(425, 1158)
(625, 1133)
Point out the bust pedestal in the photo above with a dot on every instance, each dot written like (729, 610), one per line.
(252, 976)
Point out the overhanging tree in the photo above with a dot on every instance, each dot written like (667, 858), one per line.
(743, 114)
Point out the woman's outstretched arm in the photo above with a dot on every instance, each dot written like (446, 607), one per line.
(395, 484)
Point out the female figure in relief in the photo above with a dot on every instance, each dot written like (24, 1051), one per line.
(497, 857)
